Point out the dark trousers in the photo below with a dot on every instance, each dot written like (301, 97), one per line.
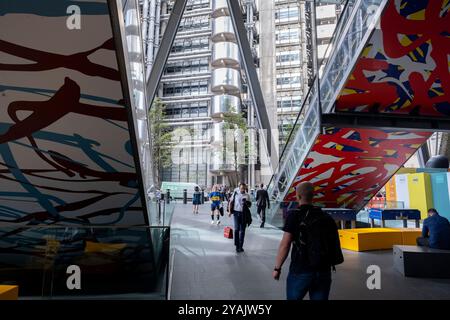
(262, 213)
(239, 229)
(318, 285)
(423, 242)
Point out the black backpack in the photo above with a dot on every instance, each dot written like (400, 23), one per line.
(318, 239)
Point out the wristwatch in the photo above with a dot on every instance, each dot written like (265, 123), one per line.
(277, 269)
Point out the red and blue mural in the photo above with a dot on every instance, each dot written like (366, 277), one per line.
(66, 155)
(404, 68)
(348, 166)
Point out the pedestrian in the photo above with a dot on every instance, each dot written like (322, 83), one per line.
(435, 231)
(315, 248)
(262, 201)
(216, 203)
(196, 199)
(239, 208)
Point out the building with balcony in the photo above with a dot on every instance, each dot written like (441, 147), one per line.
(202, 80)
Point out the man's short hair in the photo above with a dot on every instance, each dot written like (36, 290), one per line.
(432, 210)
(242, 184)
(262, 185)
(305, 190)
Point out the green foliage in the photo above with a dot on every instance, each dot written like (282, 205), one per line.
(160, 136)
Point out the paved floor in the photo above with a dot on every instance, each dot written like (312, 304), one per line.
(206, 266)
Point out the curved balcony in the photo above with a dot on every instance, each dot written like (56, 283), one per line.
(220, 8)
(222, 30)
(224, 103)
(226, 81)
(218, 135)
(225, 55)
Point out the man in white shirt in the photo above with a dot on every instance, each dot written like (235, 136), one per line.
(238, 201)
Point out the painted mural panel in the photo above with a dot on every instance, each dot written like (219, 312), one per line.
(65, 150)
(348, 166)
(404, 68)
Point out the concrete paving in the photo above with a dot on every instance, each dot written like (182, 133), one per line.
(206, 266)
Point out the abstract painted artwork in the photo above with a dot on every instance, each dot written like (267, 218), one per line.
(404, 68)
(66, 155)
(348, 166)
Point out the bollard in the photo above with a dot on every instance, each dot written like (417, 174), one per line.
(168, 196)
(185, 196)
(203, 196)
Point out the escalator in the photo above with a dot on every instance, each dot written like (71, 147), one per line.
(382, 93)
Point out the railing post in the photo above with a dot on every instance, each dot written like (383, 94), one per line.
(185, 196)
(168, 196)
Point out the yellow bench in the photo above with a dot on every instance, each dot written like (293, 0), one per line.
(9, 292)
(365, 239)
(409, 236)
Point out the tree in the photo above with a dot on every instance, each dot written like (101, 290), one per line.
(160, 138)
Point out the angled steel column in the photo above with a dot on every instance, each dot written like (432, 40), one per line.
(250, 70)
(164, 50)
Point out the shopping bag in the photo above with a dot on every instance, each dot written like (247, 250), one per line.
(228, 233)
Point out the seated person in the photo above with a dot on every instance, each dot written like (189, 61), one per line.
(435, 232)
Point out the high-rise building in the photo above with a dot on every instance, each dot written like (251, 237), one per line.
(289, 49)
(201, 81)
(204, 78)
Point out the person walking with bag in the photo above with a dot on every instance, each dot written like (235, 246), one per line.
(239, 208)
(315, 251)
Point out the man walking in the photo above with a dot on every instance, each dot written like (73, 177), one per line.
(262, 201)
(315, 248)
(238, 203)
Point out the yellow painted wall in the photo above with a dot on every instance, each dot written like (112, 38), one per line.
(420, 196)
(391, 193)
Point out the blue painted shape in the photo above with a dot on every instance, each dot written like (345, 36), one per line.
(439, 187)
(394, 214)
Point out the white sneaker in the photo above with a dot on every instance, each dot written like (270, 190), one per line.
(212, 221)
(218, 222)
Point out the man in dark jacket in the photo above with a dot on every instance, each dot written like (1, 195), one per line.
(435, 232)
(262, 201)
(308, 272)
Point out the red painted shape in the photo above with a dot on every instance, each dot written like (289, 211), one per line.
(351, 176)
(412, 92)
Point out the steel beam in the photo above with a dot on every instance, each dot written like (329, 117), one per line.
(164, 50)
(386, 121)
(250, 70)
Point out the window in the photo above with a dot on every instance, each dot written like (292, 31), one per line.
(284, 36)
(187, 110)
(187, 66)
(187, 88)
(289, 103)
(288, 58)
(190, 45)
(287, 14)
(194, 23)
(288, 80)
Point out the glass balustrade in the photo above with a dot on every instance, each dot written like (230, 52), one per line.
(355, 25)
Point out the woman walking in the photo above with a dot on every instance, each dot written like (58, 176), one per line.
(196, 199)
